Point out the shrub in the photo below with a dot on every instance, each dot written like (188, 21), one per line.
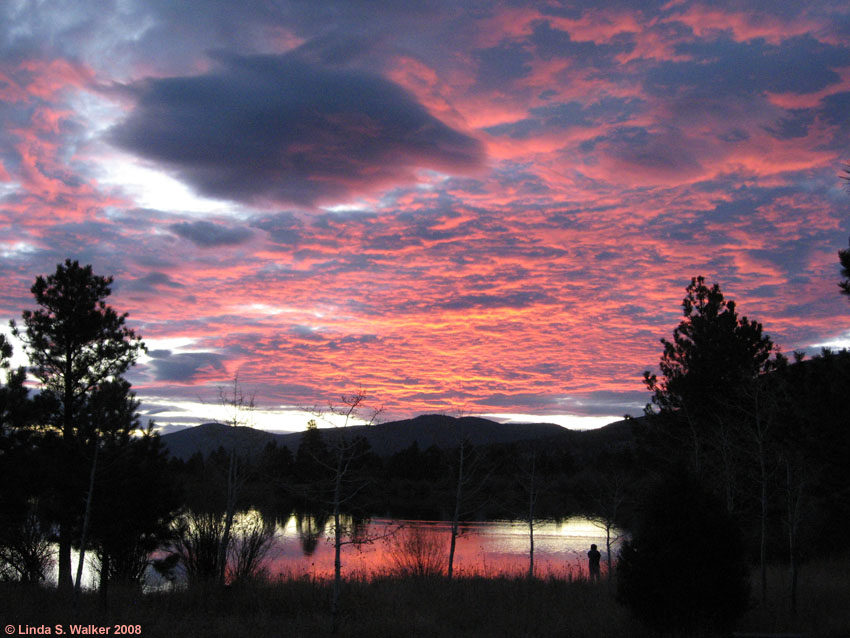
(416, 551)
(685, 565)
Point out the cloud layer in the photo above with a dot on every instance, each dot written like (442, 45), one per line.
(493, 208)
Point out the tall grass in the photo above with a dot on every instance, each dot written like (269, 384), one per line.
(383, 606)
(393, 605)
(414, 551)
(823, 606)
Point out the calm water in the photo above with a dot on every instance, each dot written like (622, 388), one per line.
(302, 547)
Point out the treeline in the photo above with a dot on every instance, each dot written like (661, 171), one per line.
(413, 483)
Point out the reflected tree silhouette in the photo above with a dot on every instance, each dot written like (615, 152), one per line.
(310, 529)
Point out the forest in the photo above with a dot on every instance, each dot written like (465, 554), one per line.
(738, 465)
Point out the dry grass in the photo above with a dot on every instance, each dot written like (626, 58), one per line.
(386, 606)
(396, 606)
(823, 606)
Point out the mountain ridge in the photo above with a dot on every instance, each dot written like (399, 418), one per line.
(387, 438)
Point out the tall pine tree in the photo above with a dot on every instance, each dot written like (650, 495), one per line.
(75, 342)
(715, 356)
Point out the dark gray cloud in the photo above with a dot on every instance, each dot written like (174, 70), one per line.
(208, 234)
(733, 136)
(550, 43)
(283, 228)
(276, 129)
(183, 367)
(152, 281)
(501, 64)
(661, 151)
(835, 109)
(796, 124)
(515, 299)
(564, 115)
(727, 67)
(306, 333)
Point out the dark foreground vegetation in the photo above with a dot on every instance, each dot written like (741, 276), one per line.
(737, 466)
(395, 606)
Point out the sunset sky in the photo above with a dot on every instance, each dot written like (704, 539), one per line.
(481, 207)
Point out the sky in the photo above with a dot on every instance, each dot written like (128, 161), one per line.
(485, 207)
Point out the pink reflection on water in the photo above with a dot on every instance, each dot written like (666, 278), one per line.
(483, 548)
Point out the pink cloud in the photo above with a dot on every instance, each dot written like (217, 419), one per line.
(550, 269)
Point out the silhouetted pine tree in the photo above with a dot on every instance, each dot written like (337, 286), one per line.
(75, 342)
(695, 415)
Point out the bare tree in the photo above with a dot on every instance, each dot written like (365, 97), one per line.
(238, 406)
(759, 406)
(609, 496)
(345, 484)
(529, 476)
(252, 539)
(200, 536)
(25, 551)
(461, 481)
(469, 479)
(197, 544)
(796, 502)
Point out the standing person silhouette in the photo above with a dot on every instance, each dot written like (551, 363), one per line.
(593, 557)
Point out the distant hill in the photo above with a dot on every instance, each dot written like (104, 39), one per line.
(387, 438)
(208, 437)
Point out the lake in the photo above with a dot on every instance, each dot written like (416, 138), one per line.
(303, 547)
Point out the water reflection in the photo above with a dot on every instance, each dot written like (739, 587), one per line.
(304, 547)
(309, 529)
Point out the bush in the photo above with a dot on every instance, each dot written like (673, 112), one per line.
(685, 565)
(415, 551)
